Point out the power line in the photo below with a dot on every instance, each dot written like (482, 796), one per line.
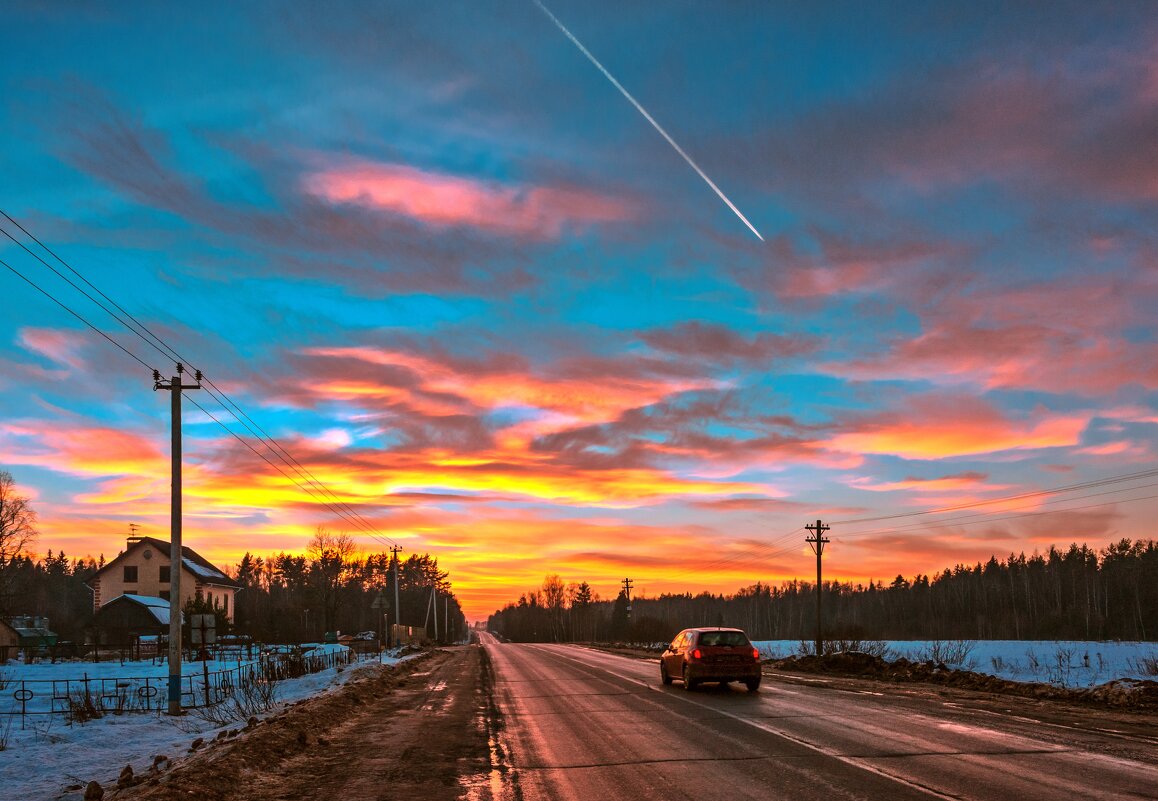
(1017, 516)
(71, 283)
(161, 347)
(973, 519)
(158, 344)
(62, 305)
(991, 501)
(298, 484)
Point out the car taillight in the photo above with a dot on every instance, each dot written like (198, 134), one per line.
(756, 654)
(696, 654)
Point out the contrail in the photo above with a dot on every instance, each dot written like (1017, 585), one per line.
(648, 117)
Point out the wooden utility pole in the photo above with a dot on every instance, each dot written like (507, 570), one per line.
(627, 595)
(175, 388)
(397, 609)
(817, 541)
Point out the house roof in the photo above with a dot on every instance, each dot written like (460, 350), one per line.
(158, 608)
(194, 562)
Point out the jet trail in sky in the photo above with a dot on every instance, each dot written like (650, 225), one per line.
(647, 116)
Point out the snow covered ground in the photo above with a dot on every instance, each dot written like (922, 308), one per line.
(100, 748)
(1065, 663)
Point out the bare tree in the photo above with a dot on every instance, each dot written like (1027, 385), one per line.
(17, 532)
(331, 559)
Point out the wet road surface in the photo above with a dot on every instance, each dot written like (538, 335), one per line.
(583, 724)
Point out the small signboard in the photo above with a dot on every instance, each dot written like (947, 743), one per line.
(203, 629)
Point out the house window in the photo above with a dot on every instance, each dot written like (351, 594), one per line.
(130, 592)
(164, 595)
(130, 574)
(164, 577)
(225, 603)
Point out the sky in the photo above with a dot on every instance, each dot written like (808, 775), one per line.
(438, 256)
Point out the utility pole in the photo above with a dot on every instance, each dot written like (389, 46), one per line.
(627, 595)
(175, 388)
(397, 609)
(817, 541)
(434, 600)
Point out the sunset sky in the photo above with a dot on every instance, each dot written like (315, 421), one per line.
(437, 254)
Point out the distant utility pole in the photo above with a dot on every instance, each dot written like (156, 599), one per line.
(175, 388)
(627, 594)
(397, 609)
(817, 541)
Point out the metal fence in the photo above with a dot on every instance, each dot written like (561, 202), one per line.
(87, 697)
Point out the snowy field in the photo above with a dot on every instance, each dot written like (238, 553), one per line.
(100, 748)
(1065, 663)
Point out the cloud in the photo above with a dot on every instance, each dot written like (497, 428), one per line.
(1027, 337)
(81, 449)
(943, 426)
(1040, 119)
(697, 340)
(440, 200)
(905, 264)
(966, 480)
(57, 345)
(291, 232)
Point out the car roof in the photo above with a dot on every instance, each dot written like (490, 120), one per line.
(715, 628)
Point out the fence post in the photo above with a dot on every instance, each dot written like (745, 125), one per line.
(205, 670)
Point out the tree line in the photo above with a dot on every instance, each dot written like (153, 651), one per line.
(1077, 594)
(284, 597)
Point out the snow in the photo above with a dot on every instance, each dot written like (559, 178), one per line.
(158, 607)
(202, 570)
(99, 749)
(1065, 663)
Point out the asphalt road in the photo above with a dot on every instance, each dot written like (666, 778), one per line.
(576, 723)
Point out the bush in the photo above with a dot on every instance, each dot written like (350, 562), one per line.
(951, 653)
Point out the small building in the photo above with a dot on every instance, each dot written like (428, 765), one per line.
(129, 618)
(9, 641)
(32, 634)
(144, 569)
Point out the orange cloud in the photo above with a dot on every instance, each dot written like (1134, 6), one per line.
(954, 482)
(442, 200)
(444, 388)
(82, 450)
(940, 427)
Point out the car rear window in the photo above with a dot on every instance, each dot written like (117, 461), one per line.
(722, 638)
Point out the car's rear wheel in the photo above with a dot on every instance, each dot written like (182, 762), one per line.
(664, 676)
(689, 684)
(752, 684)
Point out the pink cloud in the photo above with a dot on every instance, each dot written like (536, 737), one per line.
(58, 345)
(1027, 337)
(958, 481)
(442, 200)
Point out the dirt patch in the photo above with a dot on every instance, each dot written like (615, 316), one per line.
(405, 733)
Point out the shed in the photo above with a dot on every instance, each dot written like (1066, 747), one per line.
(33, 631)
(9, 641)
(127, 618)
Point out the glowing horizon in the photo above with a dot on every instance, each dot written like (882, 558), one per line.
(435, 255)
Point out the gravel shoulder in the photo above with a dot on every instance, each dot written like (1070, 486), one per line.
(404, 733)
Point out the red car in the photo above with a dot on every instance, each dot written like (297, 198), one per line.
(714, 654)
